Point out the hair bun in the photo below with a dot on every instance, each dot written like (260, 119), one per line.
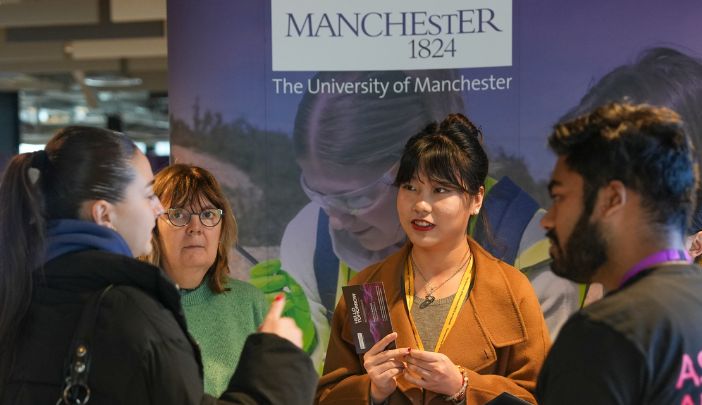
(462, 123)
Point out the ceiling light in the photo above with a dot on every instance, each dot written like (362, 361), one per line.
(112, 81)
(162, 148)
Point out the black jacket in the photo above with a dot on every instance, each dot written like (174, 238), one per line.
(142, 353)
(641, 344)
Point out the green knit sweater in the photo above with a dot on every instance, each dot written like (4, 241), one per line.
(220, 324)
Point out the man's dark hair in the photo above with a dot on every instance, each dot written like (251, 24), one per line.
(642, 146)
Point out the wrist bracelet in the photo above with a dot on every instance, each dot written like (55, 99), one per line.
(461, 394)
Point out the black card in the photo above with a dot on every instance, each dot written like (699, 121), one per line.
(368, 314)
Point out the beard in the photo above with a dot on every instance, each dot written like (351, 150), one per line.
(584, 253)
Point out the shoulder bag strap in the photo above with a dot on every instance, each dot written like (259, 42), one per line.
(75, 389)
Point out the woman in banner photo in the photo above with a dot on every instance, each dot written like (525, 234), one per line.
(191, 244)
(81, 319)
(467, 326)
(349, 146)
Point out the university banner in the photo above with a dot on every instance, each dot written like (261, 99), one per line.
(301, 109)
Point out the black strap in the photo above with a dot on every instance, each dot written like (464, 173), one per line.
(326, 265)
(75, 389)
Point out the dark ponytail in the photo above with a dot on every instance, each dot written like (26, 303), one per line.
(22, 231)
(78, 164)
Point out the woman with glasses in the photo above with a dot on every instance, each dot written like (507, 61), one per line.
(467, 326)
(82, 321)
(191, 242)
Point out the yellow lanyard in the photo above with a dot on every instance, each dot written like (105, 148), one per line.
(456, 305)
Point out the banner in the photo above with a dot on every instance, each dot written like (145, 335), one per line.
(301, 109)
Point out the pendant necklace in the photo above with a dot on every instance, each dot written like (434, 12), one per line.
(429, 298)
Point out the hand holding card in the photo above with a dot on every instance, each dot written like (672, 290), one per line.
(373, 335)
(383, 367)
(369, 315)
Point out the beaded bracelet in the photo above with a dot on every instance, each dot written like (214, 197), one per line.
(461, 394)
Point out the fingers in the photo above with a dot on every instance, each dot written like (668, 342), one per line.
(381, 367)
(276, 309)
(390, 373)
(384, 376)
(283, 327)
(419, 371)
(421, 377)
(270, 296)
(388, 355)
(425, 356)
(410, 359)
(292, 332)
(381, 344)
(414, 379)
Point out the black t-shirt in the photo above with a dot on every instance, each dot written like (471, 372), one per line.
(639, 345)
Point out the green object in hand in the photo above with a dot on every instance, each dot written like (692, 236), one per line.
(269, 277)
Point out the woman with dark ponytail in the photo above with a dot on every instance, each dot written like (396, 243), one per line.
(82, 320)
(467, 326)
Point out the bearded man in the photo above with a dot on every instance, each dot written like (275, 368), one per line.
(622, 192)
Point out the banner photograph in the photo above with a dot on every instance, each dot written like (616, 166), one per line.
(301, 109)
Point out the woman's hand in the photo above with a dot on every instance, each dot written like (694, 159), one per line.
(383, 367)
(283, 327)
(433, 371)
(269, 277)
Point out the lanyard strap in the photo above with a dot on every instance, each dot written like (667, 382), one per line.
(458, 300)
(662, 256)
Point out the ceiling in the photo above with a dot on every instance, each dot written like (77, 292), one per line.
(90, 62)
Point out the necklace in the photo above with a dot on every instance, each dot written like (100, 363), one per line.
(429, 298)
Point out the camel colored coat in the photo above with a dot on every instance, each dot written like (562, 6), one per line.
(500, 337)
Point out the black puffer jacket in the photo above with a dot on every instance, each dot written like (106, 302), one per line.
(142, 353)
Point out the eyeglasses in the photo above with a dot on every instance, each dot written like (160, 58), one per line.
(354, 202)
(181, 217)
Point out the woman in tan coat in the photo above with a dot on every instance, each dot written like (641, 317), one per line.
(467, 326)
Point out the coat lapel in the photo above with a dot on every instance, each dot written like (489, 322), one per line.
(489, 319)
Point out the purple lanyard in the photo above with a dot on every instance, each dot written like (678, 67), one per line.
(662, 256)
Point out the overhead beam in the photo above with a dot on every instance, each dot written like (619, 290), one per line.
(49, 12)
(87, 65)
(29, 83)
(147, 64)
(137, 10)
(118, 48)
(60, 66)
(33, 51)
(104, 30)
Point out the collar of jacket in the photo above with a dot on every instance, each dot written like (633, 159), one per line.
(71, 235)
(72, 276)
(91, 270)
